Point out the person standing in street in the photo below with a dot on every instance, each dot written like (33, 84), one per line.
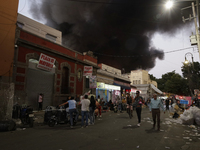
(92, 108)
(72, 109)
(138, 101)
(85, 103)
(99, 108)
(155, 110)
(129, 104)
(40, 101)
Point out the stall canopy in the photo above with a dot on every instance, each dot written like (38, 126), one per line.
(123, 86)
(156, 89)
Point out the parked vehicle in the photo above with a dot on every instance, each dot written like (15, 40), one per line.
(26, 115)
(61, 117)
(49, 112)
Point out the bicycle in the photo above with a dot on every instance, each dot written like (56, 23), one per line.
(129, 110)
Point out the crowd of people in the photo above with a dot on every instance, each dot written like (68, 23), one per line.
(90, 108)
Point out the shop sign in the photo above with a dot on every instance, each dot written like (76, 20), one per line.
(87, 71)
(46, 62)
(93, 82)
(112, 87)
(100, 85)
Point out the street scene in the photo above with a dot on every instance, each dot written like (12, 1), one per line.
(99, 74)
(111, 131)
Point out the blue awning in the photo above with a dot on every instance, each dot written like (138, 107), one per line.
(122, 86)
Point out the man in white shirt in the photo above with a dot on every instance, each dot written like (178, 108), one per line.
(85, 103)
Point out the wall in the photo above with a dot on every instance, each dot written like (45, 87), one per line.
(8, 17)
(38, 29)
(110, 69)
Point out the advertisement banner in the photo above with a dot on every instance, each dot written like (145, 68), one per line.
(46, 62)
(87, 71)
(93, 82)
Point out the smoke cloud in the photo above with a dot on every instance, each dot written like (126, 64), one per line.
(119, 32)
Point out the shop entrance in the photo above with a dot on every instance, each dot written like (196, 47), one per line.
(39, 81)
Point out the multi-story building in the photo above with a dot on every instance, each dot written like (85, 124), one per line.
(8, 17)
(141, 80)
(111, 83)
(44, 65)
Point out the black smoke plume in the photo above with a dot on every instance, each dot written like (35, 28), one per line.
(119, 32)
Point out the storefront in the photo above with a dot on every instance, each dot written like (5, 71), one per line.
(125, 86)
(107, 92)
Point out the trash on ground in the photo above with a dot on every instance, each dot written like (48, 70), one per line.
(167, 147)
(129, 125)
(166, 137)
(138, 146)
(190, 140)
(187, 142)
(186, 138)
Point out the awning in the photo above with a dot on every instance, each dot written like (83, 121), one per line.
(156, 89)
(122, 86)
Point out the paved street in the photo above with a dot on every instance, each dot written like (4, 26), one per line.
(112, 131)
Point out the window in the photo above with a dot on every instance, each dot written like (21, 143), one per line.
(87, 82)
(51, 37)
(79, 75)
(65, 89)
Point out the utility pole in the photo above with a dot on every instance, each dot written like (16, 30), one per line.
(196, 26)
(195, 17)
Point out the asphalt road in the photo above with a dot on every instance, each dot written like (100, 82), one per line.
(111, 132)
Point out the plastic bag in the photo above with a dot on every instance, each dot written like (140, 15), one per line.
(187, 117)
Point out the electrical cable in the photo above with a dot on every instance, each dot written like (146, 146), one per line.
(142, 55)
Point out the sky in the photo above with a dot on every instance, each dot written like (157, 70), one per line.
(175, 46)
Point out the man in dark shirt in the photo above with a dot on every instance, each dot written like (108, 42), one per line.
(167, 103)
(138, 101)
(129, 103)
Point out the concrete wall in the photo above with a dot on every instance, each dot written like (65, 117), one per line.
(110, 69)
(39, 29)
(6, 100)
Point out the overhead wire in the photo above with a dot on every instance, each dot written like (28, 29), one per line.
(143, 54)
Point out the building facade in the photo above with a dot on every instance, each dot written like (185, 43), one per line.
(111, 83)
(141, 80)
(8, 17)
(43, 65)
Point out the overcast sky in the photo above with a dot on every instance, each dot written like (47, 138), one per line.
(175, 46)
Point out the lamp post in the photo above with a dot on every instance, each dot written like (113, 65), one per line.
(196, 17)
(189, 74)
(186, 61)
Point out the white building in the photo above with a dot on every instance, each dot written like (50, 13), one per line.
(141, 80)
(39, 29)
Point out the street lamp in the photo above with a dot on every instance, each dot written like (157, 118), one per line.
(186, 61)
(169, 4)
(196, 17)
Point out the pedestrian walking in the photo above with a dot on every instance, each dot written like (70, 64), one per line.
(129, 102)
(92, 107)
(155, 110)
(40, 101)
(72, 109)
(119, 103)
(85, 103)
(99, 107)
(138, 101)
(167, 104)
